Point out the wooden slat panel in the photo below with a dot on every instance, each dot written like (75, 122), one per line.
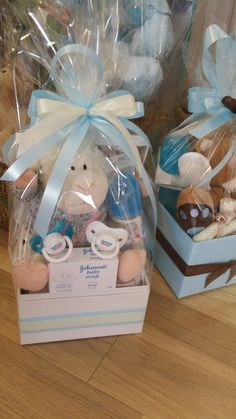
(184, 363)
(34, 388)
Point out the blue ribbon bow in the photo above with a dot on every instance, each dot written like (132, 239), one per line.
(220, 73)
(65, 119)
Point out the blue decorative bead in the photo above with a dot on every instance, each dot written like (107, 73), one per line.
(172, 149)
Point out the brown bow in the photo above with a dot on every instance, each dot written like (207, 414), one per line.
(224, 267)
(214, 270)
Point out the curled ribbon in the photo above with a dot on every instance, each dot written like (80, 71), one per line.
(221, 79)
(57, 119)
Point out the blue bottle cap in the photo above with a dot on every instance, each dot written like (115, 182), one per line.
(124, 198)
(172, 149)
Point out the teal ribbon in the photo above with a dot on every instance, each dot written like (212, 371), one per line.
(72, 134)
(208, 100)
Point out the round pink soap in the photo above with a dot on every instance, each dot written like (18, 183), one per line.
(131, 262)
(29, 275)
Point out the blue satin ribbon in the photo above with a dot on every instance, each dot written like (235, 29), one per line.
(73, 134)
(208, 100)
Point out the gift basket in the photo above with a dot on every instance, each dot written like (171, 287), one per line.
(6, 107)
(163, 108)
(13, 100)
(196, 178)
(82, 206)
(140, 42)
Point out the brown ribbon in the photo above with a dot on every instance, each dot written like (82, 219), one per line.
(214, 270)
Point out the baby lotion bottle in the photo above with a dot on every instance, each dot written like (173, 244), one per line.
(124, 206)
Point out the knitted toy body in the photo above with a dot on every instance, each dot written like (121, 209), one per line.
(81, 202)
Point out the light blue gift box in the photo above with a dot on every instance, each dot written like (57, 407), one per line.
(189, 267)
(193, 267)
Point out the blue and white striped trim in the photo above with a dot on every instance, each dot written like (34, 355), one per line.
(82, 320)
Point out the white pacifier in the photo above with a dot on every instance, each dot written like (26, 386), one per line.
(105, 241)
(55, 244)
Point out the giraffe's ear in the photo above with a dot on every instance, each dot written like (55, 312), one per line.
(229, 103)
(28, 179)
